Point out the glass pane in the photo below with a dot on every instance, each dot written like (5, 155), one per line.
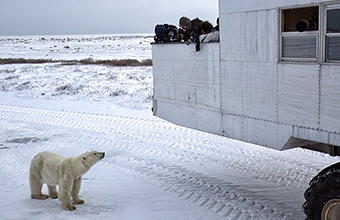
(333, 48)
(299, 47)
(300, 19)
(333, 21)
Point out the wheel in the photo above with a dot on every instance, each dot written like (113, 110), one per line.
(323, 196)
(331, 210)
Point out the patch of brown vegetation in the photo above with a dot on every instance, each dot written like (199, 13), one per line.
(124, 62)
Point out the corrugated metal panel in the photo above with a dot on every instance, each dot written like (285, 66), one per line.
(233, 126)
(330, 98)
(297, 78)
(208, 120)
(334, 139)
(164, 90)
(229, 42)
(298, 109)
(330, 113)
(330, 78)
(259, 83)
(190, 116)
(298, 87)
(309, 134)
(231, 100)
(260, 132)
(255, 131)
(260, 36)
(176, 113)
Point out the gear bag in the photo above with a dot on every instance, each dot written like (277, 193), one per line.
(166, 33)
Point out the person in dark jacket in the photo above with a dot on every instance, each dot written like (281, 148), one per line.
(217, 27)
(204, 27)
(189, 30)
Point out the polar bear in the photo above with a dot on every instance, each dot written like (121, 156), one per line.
(53, 169)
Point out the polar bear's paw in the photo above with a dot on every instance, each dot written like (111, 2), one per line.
(54, 196)
(78, 201)
(41, 196)
(69, 207)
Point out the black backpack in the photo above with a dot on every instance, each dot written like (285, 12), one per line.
(166, 33)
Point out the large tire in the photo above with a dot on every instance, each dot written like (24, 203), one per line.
(323, 196)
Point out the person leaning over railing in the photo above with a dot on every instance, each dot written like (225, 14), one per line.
(208, 32)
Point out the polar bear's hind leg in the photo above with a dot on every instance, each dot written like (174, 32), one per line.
(36, 185)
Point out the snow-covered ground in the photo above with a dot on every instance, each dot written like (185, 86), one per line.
(152, 169)
(96, 47)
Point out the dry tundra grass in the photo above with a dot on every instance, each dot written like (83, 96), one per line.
(124, 62)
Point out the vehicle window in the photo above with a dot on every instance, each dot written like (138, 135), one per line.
(299, 34)
(333, 35)
(299, 47)
(333, 21)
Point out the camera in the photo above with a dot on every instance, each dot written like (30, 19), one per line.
(185, 36)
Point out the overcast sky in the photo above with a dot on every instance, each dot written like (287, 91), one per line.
(64, 17)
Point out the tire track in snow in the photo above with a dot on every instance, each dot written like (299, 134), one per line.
(206, 152)
(159, 139)
(224, 198)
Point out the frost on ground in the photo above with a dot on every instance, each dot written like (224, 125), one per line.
(127, 86)
(96, 47)
(152, 169)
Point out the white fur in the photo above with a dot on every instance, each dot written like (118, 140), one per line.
(53, 169)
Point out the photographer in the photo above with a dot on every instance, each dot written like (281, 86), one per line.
(189, 31)
(208, 32)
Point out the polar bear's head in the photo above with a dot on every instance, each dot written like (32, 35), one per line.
(91, 157)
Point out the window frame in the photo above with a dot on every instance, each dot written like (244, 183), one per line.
(321, 34)
(282, 34)
(325, 34)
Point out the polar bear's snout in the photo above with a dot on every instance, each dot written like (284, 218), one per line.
(102, 155)
(98, 155)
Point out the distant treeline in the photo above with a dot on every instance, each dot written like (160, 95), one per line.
(124, 62)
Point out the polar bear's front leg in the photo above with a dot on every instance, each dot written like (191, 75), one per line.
(65, 187)
(75, 191)
(52, 191)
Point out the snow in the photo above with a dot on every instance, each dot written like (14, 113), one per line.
(96, 47)
(152, 169)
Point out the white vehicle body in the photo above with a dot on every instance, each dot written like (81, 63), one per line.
(264, 82)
